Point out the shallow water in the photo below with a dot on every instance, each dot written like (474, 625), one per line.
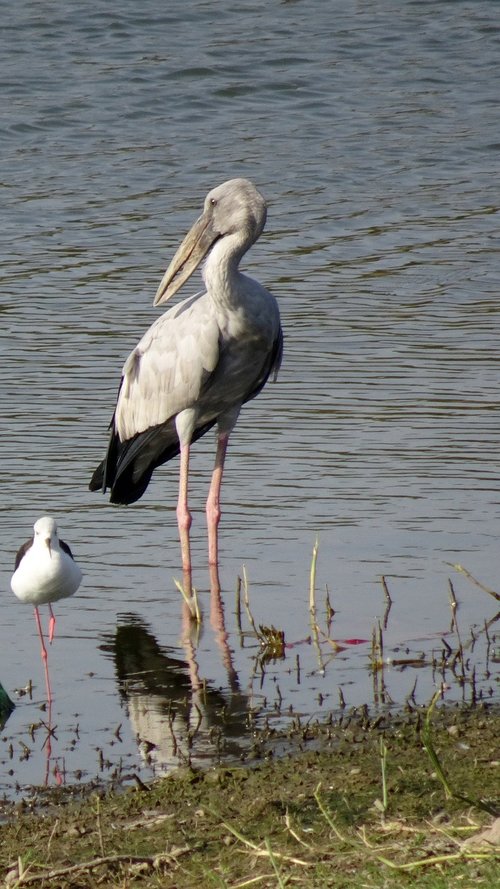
(374, 136)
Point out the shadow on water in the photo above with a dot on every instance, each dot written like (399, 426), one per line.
(179, 717)
(176, 716)
(6, 706)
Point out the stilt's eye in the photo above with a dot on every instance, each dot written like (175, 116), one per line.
(213, 201)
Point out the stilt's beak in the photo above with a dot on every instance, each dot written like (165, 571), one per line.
(193, 249)
(49, 546)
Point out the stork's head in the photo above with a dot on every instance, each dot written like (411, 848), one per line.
(233, 208)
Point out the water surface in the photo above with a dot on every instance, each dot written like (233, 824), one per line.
(374, 134)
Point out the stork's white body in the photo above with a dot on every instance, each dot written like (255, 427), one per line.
(199, 362)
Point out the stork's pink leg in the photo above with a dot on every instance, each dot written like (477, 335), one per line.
(44, 656)
(52, 624)
(183, 514)
(213, 501)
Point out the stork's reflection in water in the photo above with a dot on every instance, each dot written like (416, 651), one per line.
(177, 717)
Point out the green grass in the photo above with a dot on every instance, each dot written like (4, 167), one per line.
(361, 809)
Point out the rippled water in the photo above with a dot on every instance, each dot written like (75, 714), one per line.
(374, 134)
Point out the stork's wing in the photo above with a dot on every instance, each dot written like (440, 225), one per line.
(168, 368)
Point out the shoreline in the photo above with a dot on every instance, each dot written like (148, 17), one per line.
(380, 796)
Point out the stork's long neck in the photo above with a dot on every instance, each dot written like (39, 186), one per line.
(221, 273)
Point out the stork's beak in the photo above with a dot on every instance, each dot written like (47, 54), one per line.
(193, 249)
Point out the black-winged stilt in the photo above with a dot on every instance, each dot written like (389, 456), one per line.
(45, 571)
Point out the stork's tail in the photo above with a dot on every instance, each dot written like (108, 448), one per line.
(129, 465)
(97, 481)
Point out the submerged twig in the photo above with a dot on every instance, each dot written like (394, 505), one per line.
(385, 588)
(453, 598)
(312, 604)
(246, 602)
(312, 578)
(238, 605)
(377, 648)
(330, 610)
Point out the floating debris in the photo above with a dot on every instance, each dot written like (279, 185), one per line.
(272, 642)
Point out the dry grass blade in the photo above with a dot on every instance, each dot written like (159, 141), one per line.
(439, 859)
(295, 835)
(272, 859)
(431, 752)
(257, 848)
(383, 766)
(252, 881)
(469, 576)
(55, 873)
(191, 602)
(329, 821)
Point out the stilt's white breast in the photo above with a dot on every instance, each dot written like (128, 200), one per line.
(45, 572)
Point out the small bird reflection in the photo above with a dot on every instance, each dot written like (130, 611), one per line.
(176, 716)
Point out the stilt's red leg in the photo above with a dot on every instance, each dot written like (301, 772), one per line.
(213, 501)
(183, 514)
(52, 624)
(40, 633)
(44, 656)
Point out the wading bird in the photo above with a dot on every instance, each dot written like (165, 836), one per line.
(198, 363)
(45, 571)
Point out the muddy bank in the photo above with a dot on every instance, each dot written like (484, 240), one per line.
(377, 802)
